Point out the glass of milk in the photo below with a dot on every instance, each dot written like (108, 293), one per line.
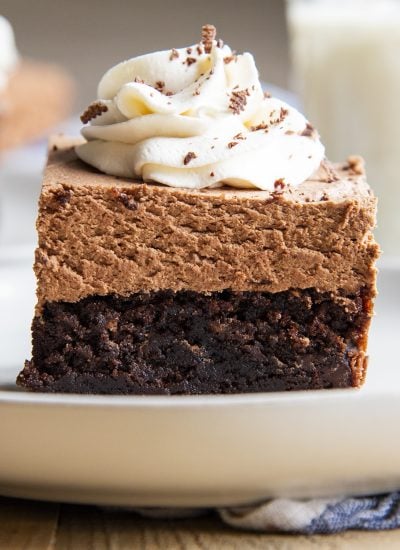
(346, 66)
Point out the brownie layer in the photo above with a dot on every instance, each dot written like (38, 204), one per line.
(187, 342)
(103, 235)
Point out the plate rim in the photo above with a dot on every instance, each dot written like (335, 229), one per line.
(289, 398)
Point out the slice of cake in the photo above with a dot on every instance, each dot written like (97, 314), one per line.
(245, 263)
(34, 96)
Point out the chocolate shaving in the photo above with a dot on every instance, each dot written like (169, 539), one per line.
(239, 136)
(279, 185)
(289, 132)
(190, 60)
(309, 131)
(238, 101)
(190, 156)
(174, 54)
(138, 80)
(63, 196)
(94, 110)
(356, 164)
(212, 174)
(220, 43)
(232, 144)
(208, 34)
(229, 59)
(331, 174)
(128, 201)
(200, 50)
(189, 50)
(160, 85)
(282, 115)
(262, 126)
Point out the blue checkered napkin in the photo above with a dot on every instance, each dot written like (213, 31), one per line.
(318, 515)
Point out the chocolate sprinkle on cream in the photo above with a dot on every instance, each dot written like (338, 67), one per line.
(229, 59)
(190, 156)
(282, 115)
(262, 126)
(238, 101)
(208, 34)
(94, 110)
(309, 131)
(160, 85)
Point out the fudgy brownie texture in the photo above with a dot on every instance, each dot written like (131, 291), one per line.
(186, 342)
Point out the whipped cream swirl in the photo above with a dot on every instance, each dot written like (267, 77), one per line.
(197, 117)
(8, 52)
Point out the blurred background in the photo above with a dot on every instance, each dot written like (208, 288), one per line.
(88, 37)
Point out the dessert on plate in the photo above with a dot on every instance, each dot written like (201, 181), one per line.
(197, 241)
(34, 96)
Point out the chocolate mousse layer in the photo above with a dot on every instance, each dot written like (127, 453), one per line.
(102, 235)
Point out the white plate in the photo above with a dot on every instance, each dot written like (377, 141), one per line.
(198, 451)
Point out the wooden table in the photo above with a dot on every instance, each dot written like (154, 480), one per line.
(30, 525)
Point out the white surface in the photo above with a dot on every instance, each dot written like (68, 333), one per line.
(184, 451)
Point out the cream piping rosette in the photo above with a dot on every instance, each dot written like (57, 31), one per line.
(197, 117)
